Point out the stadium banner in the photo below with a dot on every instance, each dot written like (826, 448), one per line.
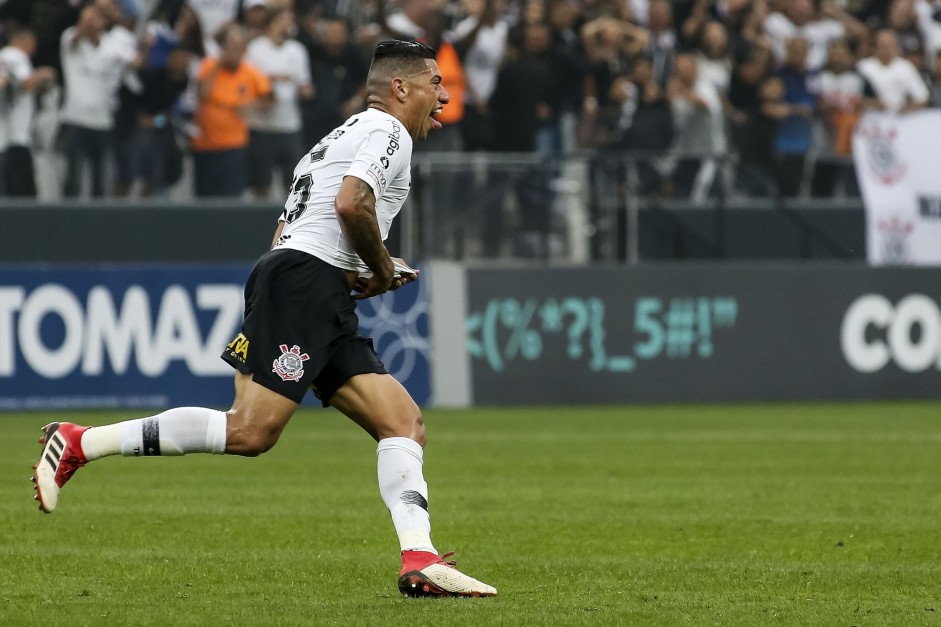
(151, 335)
(687, 332)
(896, 158)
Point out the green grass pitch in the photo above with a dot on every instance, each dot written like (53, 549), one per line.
(814, 514)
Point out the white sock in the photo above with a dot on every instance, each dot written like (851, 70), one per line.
(174, 432)
(405, 492)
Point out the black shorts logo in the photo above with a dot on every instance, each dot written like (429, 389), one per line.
(290, 365)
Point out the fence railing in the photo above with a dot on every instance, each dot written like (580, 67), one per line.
(618, 207)
(515, 208)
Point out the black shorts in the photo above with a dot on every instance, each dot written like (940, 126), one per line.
(300, 328)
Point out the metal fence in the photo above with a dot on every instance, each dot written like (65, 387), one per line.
(511, 208)
(622, 207)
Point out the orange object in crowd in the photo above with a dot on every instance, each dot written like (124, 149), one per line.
(844, 123)
(452, 78)
(219, 117)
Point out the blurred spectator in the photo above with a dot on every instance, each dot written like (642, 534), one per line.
(840, 93)
(227, 87)
(646, 121)
(49, 18)
(275, 140)
(700, 128)
(173, 26)
(796, 130)
(902, 17)
(752, 62)
(255, 16)
(480, 40)
(214, 17)
(520, 105)
(338, 74)
(92, 65)
(410, 21)
(935, 97)
(891, 82)
(757, 154)
(147, 145)
(661, 41)
(20, 84)
(520, 101)
(800, 18)
(698, 14)
(568, 66)
(713, 61)
(610, 46)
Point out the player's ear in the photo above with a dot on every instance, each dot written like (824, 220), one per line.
(400, 88)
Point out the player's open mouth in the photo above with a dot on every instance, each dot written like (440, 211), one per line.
(435, 123)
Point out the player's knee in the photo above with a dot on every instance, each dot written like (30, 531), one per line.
(251, 441)
(418, 429)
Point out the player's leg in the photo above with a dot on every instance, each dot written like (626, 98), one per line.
(251, 427)
(384, 409)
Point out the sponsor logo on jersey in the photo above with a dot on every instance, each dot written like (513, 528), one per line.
(290, 365)
(394, 137)
(378, 175)
(238, 348)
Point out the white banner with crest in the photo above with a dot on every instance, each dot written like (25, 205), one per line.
(898, 163)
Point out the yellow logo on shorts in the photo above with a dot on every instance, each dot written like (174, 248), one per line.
(238, 347)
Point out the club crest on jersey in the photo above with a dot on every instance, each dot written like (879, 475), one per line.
(290, 365)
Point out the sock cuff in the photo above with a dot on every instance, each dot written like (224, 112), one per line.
(216, 432)
(408, 445)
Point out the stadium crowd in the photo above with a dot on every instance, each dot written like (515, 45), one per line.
(245, 86)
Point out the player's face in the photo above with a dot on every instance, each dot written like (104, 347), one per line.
(426, 98)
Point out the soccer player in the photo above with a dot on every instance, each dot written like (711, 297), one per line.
(300, 326)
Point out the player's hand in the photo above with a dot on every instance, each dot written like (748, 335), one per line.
(371, 286)
(403, 277)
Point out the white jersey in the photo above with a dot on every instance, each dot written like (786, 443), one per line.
(16, 109)
(372, 146)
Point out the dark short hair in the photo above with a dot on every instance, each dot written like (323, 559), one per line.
(400, 50)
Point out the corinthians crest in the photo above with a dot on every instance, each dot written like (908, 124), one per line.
(290, 365)
(894, 245)
(881, 155)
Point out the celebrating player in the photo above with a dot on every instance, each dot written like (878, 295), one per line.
(300, 326)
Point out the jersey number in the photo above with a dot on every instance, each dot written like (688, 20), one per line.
(302, 185)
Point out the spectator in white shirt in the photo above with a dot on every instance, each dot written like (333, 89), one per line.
(892, 83)
(214, 16)
(21, 83)
(275, 140)
(801, 19)
(86, 117)
(700, 128)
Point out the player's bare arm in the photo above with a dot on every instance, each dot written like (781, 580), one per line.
(356, 207)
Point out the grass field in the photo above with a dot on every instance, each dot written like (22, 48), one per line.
(750, 515)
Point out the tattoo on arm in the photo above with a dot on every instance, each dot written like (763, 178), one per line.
(361, 226)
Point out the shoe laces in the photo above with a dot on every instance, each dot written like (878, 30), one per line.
(443, 559)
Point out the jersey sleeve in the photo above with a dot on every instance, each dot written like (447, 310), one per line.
(381, 157)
